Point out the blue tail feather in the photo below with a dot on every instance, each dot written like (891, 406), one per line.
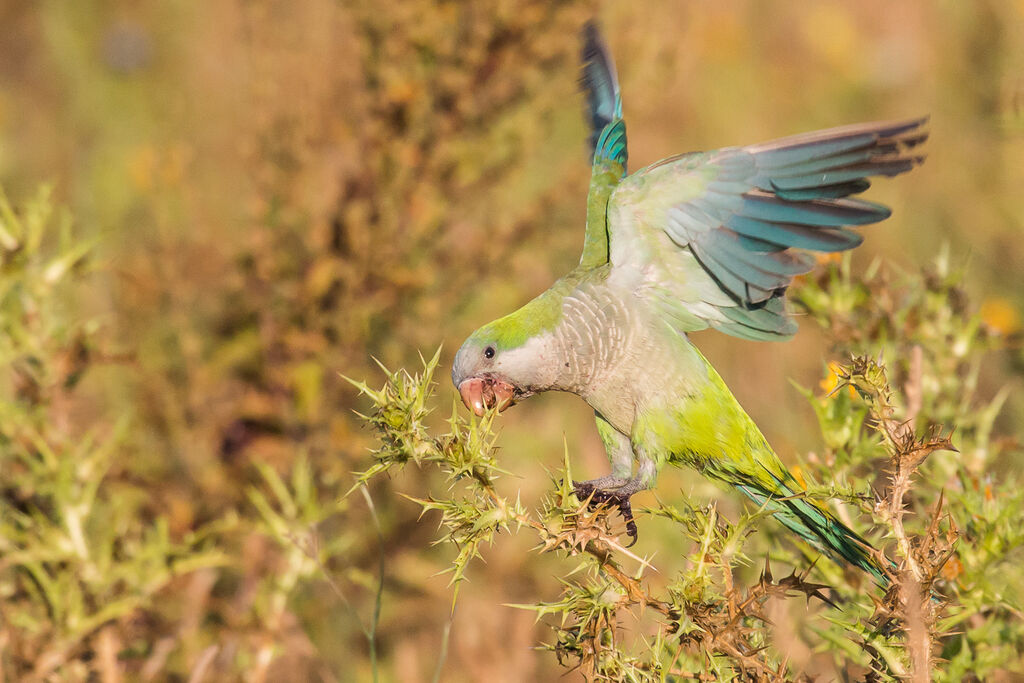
(821, 529)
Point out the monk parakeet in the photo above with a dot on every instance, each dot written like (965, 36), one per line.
(698, 240)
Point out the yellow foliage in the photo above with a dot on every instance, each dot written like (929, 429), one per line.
(831, 381)
(1001, 315)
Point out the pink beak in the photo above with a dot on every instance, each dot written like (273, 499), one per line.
(481, 393)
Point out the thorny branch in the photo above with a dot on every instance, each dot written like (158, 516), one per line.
(731, 624)
(912, 600)
(708, 629)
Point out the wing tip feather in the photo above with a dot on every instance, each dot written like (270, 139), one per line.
(767, 220)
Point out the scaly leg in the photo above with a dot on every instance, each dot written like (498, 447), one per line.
(620, 485)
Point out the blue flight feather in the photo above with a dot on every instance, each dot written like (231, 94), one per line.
(794, 235)
(604, 101)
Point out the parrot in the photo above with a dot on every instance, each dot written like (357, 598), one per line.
(703, 240)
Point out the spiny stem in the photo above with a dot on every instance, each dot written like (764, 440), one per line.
(378, 598)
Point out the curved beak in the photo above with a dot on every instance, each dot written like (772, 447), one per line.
(481, 393)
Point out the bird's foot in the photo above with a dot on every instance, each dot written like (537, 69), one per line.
(610, 491)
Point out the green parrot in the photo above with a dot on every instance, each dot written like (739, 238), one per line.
(699, 240)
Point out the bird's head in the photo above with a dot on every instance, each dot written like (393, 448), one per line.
(511, 358)
(507, 360)
(488, 373)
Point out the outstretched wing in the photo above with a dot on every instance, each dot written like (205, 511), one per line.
(607, 141)
(710, 235)
(600, 86)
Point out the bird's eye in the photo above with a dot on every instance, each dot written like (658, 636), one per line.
(489, 352)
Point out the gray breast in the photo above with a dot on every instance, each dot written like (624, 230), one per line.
(599, 332)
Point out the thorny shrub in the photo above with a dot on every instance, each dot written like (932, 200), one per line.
(909, 450)
(77, 551)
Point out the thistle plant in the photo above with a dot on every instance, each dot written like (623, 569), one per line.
(79, 553)
(899, 411)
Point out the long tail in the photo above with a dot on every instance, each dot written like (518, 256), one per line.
(815, 524)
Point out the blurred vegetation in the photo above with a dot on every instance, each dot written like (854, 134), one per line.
(266, 194)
